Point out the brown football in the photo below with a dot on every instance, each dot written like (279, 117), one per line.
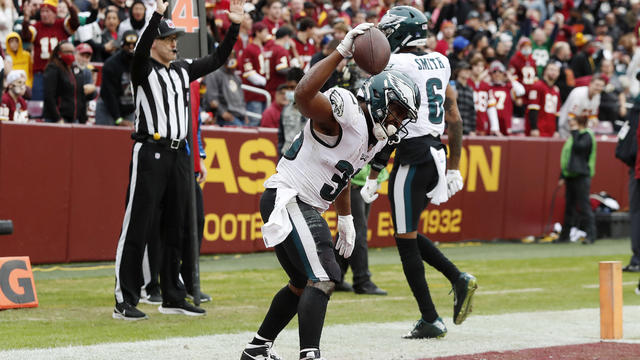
(371, 51)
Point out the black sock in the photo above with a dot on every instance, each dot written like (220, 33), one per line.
(311, 310)
(414, 272)
(434, 257)
(283, 308)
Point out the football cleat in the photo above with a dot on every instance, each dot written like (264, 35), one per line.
(310, 354)
(259, 352)
(426, 330)
(463, 290)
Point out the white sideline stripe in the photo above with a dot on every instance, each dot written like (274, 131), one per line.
(379, 341)
(596, 286)
(513, 291)
(367, 298)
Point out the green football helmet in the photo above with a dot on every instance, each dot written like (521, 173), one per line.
(404, 26)
(381, 90)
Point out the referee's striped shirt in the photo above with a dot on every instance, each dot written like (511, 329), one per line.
(161, 93)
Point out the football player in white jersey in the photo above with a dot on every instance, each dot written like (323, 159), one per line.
(343, 134)
(421, 172)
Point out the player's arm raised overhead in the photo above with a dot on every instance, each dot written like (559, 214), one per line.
(313, 104)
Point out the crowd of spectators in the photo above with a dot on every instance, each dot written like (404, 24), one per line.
(519, 66)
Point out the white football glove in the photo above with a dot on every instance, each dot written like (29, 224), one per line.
(346, 235)
(369, 191)
(346, 45)
(454, 182)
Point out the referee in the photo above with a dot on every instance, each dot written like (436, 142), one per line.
(159, 169)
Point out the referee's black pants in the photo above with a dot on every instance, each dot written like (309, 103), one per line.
(155, 251)
(158, 189)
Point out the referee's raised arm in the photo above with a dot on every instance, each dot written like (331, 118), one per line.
(211, 62)
(140, 64)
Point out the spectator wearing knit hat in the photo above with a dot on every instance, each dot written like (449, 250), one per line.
(522, 63)
(12, 98)
(584, 62)
(44, 35)
(445, 45)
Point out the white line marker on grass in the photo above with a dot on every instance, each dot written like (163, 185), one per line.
(595, 286)
(500, 292)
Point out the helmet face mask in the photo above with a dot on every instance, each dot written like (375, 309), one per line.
(379, 92)
(404, 26)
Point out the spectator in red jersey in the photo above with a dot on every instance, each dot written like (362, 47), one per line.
(255, 68)
(12, 98)
(273, 16)
(217, 11)
(486, 115)
(505, 91)
(303, 40)
(45, 34)
(522, 63)
(271, 116)
(278, 56)
(444, 45)
(244, 35)
(544, 104)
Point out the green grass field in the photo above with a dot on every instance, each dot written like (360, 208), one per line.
(76, 300)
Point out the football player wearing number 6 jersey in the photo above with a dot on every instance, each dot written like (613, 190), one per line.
(421, 172)
(344, 133)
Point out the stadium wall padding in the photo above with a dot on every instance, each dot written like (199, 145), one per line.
(64, 187)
